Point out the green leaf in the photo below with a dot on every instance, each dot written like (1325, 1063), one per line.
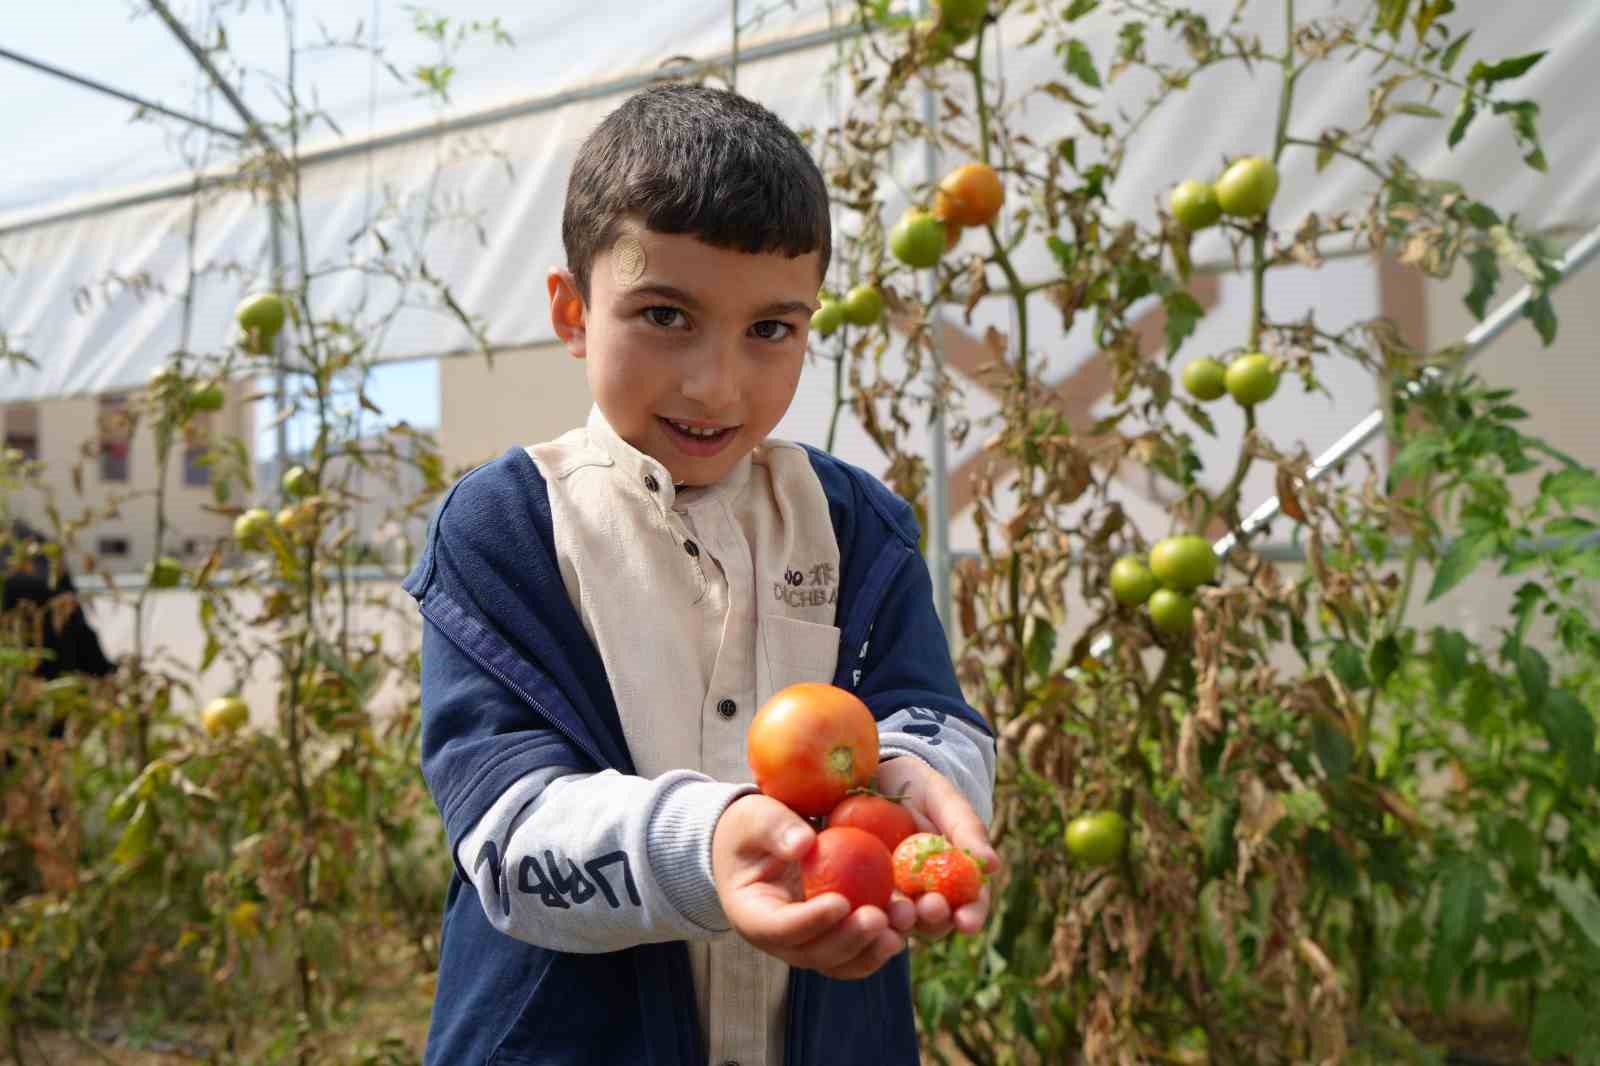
(1332, 863)
(1463, 901)
(1459, 561)
(1041, 647)
(1391, 16)
(1384, 660)
(1505, 70)
(1466, 111)
(1065, 254)
(1578, 900)
(1449, 659)
(1345, 662)
(1080, 64)
(1485, 279)
(1570, 727)
(1574, 488)
(1183, 312)
(1534, 673)
(1520, 848)
(1081, 8)
(1333, 748)
(1559, 1023)
(1542, 313)
(1453, 53)
(1419, 110)
(1569, 528)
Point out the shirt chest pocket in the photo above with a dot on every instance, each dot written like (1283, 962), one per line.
(793, 651)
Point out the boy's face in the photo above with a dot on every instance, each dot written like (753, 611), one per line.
(693, 351)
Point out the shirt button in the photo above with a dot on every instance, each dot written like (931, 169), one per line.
(692, 548)
(727, 708)
(651, 483)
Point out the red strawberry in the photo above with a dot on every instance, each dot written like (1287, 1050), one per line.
(910, 859)
(954, 874)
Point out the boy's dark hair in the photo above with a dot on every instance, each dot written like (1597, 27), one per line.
(693, 159)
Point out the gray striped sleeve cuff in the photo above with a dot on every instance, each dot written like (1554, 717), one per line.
(678, 846)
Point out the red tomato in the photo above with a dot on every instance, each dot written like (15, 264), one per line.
(953, 874)
(853, 863)
(810, 744)
(885, 819)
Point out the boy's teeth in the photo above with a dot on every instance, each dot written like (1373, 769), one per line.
(693, 432)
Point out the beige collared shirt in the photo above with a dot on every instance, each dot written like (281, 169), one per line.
(702, 602)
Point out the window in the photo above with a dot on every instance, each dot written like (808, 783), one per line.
(196, 444)
(113, 547)
(116, 433)
(22, 429)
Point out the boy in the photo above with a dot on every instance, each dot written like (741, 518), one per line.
(604, 613)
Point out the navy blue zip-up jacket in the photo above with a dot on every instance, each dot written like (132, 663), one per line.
(511, 683)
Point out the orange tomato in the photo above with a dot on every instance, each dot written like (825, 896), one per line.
(970, 195)
(810, 744)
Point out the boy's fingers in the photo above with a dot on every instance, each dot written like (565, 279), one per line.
(958, 822)
(885, 946)
(772, 924)
(847, 943)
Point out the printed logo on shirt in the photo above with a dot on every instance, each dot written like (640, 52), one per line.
(555, 887)
(816, 586)
(928, 725)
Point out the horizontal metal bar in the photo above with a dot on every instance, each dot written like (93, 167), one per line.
(101, 87)
(185, 186)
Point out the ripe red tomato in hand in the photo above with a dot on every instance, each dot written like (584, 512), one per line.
(851, 862)
(910, 858)
(810, 744)
(885, 819)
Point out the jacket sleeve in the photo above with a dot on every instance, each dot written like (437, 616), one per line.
(909, 682)
(565, 856)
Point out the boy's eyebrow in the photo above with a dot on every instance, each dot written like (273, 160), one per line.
(678, 296)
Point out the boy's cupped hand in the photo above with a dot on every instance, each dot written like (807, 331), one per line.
(939, 807)
(755, 852)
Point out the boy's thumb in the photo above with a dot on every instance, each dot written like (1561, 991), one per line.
(792, 838)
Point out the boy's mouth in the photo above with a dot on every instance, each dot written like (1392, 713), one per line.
(698, 439)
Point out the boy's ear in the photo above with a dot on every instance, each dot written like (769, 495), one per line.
(567, 311)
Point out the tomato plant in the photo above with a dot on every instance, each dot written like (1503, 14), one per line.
(810, 744)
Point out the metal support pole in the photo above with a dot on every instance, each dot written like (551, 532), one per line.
(101, 87)
(938, 520)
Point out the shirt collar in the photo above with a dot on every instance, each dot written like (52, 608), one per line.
(643, 470)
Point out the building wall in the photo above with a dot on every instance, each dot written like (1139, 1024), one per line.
(68, 432)
(525, 396)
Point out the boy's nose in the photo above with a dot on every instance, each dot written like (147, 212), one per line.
(710, 379)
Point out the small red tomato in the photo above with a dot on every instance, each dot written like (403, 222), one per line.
(953, 874)
(810, 744)
(853, 863)
(910, 859)
(885, 819)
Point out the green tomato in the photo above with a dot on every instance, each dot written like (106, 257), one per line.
(1171, 611)
(863, 305)
(1183, 562)
(225, 714)
(1247, 187)
(917, 240)
(250, 528)
(298, 482)
(1204, 378)
(1251, 379)
(207, 397)
(827, 319)
(1131, 581)
(1194, 205)
(263, 313)
(1097, 839)
(164, 573)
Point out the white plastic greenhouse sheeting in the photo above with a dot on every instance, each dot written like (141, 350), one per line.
(114, 339)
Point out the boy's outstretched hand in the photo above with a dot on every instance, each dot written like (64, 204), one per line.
(755, 850)
(938, 807)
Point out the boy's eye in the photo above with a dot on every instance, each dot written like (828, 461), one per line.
(770, 329)
(666, 317)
